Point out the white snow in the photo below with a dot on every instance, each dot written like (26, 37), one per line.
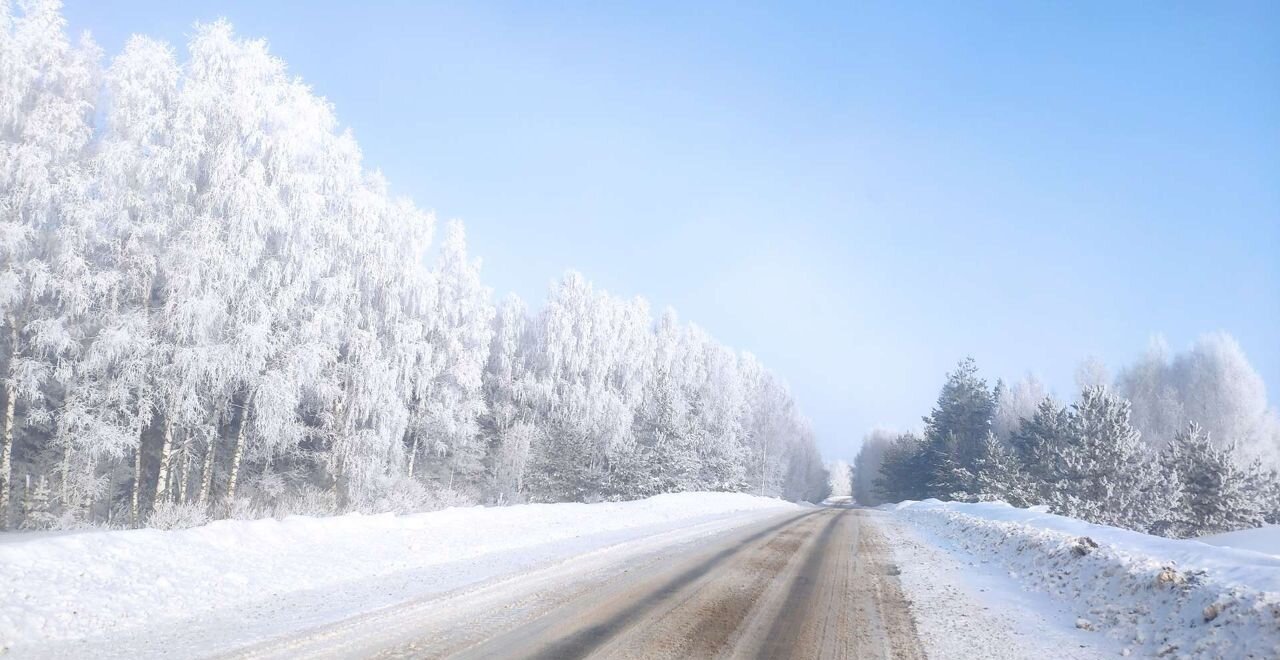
(965, 608)
(1152, 596)
(216, 585)
(1262, 539)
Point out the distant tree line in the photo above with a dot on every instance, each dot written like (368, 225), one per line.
(209, 307)
(1088, 460)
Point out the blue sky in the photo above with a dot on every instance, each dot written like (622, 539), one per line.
(859, 193)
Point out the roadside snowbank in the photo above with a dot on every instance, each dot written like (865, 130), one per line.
(1156, 596)
(80, 585)
(1262, 539)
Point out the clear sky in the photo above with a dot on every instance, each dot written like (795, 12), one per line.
(860, 193)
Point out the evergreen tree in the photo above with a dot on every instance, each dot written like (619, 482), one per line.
(38, 506)
(955, 431)
(998, 476)
(1269, 492)
(866, 466)
(948, 478)
(1218, 494)
(901, 474)
(1035, 444)
(1107, 476)
(1172, 462)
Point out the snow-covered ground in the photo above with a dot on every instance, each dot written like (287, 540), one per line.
(1262, 539)
(166, 593)
(965, 609)
(1141, 595)
(984, 580)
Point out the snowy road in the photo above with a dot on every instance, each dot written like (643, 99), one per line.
(817, 584)
(692, 575)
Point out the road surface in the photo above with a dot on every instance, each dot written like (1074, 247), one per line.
(819, 584)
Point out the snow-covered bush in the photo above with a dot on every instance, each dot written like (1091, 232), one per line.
(398, 494)
(306, 500)
(446, 498)
(171, 515)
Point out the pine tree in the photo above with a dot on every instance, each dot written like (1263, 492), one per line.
(1266, 485)
(38, 506)
(1176, 521)
(901, 473)
(957, 426)
(1106, 473)
(1035, 444)
(1219, 495)
(997, 475)
(948, 478)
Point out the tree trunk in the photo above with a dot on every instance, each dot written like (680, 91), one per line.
(341, 484)
(166, 459)
(6, 440)
(6, 456)
(206, 474)
(413, 454)
(184, 473)
(237, 454)
(66, 478)
(136, 504)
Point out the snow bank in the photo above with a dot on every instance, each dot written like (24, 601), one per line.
(1156, 596)
(78, 585)
(1263, 539)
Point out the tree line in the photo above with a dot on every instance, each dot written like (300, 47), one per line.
(210, 307)
(1090, 460)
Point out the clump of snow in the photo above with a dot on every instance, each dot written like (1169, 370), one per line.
(1171, 598)
(76, 586)
(1260, 539)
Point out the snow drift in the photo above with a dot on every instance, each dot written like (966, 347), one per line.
(1259, 539)
(75, 586)
(1172, 598)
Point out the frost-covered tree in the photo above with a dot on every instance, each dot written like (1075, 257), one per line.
(841, 479)
(590, 359)
(209, 306)
(447, 410)
(1217, 495)
(1036, 444)
(1089, 460)
(663, 456)
(902, 471)
(47, 88)
(1212, 384)
(1105, 473)
(507, 424)
(955, 431)
(866, 465)
(38, 505)
(1091, 372)
(1014, 404)
(1157, 403)
(998, 475)
(719, 406)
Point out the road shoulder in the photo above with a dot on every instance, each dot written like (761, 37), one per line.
(965, 607)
